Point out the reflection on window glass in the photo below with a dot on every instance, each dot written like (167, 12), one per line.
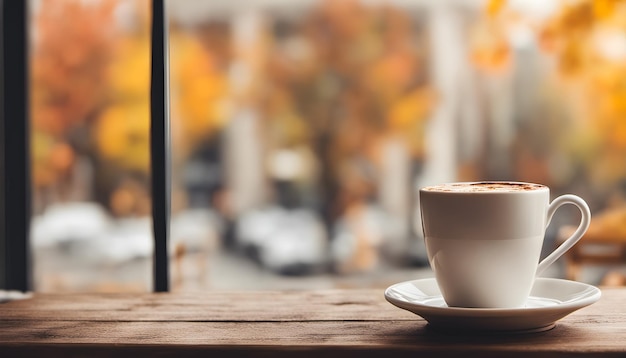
(301, 131)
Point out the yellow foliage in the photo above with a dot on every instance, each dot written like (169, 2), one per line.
(128, 76)
(40, 153)
(494, 7)
(407, 116)
(604, 9)
(123, 135)
(410, 109)
(199, 90)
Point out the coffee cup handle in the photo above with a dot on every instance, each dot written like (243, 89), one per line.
(577, 235)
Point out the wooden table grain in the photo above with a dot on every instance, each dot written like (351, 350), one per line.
(326, 323)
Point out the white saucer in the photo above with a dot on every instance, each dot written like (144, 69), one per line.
(550, 300)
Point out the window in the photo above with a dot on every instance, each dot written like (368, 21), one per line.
(301, 131)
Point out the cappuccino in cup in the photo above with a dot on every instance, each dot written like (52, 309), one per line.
(480, 187)
(484, 239)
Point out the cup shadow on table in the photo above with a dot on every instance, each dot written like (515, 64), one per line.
(425, 333)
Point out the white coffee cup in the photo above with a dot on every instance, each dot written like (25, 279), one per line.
(484, 239)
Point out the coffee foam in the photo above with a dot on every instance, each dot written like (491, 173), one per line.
(485, 187)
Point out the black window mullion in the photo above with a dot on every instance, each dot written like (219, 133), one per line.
(15, 182)
(160, 144)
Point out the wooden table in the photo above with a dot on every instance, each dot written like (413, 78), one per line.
(265, 323)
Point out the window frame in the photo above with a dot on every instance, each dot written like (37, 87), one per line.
(15, 181)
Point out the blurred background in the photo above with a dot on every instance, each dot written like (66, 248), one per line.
(302, 130)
